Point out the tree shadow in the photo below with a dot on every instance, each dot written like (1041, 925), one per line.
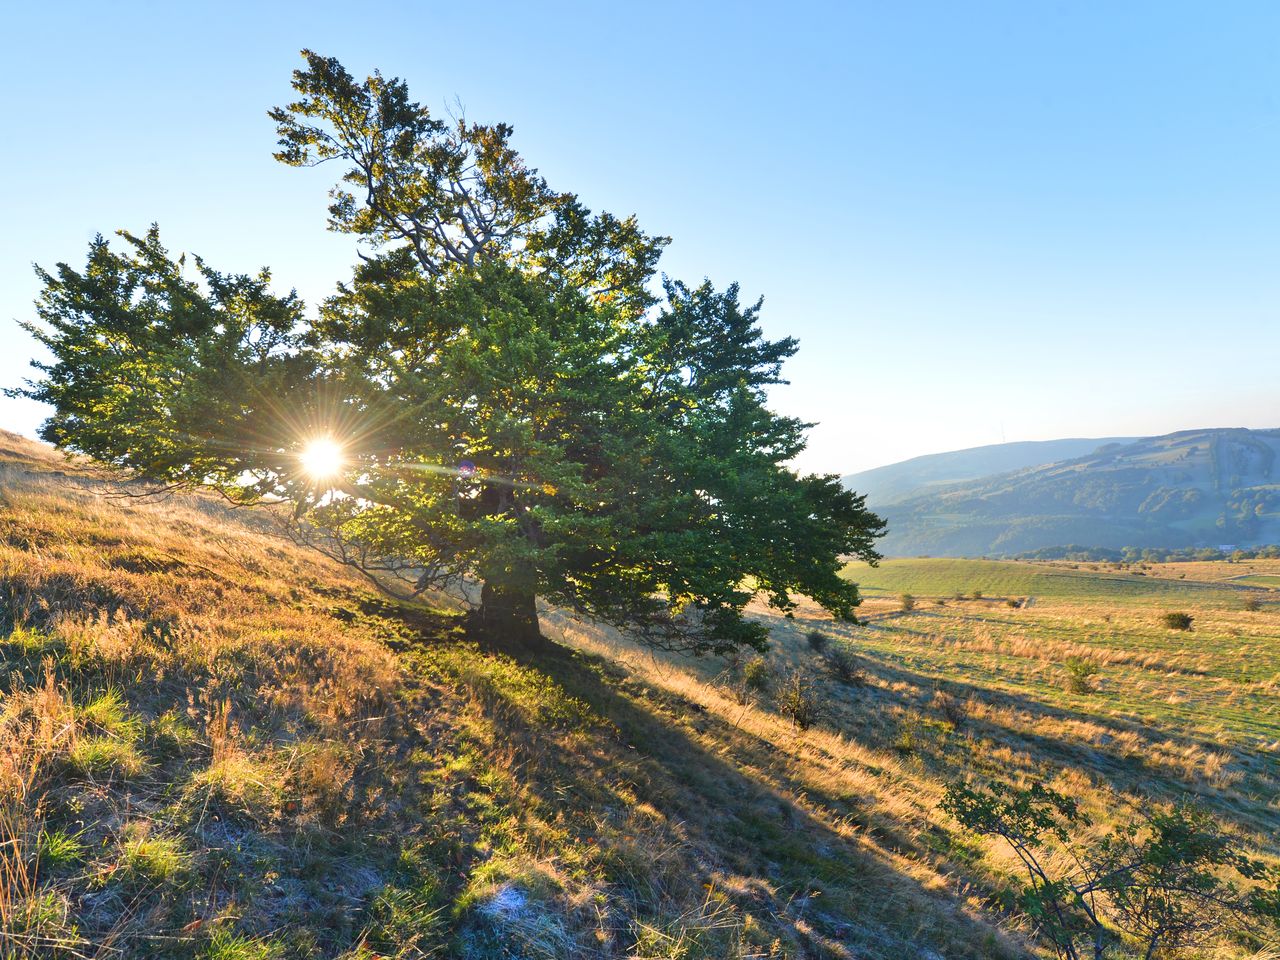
(738, 825)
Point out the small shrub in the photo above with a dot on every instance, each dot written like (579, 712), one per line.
(907, 741)
(843, 666)
(939, 602)
(1080, 674)
(756, 674)
(817, 641)
(1013, 603)
(1253, 604)
(1176, 620)
(1172, 875)
(953, 710)
(797, 701)
(908, 603)
(977, 594)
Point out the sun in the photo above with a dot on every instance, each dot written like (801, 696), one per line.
(322, 458)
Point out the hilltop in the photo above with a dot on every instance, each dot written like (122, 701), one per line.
(218, 745)
(1196, 488)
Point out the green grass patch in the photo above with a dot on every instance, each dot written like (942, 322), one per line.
(947, 577)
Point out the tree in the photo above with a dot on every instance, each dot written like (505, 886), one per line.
(1165, 880)
(503, 396)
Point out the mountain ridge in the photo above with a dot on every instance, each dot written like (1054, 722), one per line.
(1191, 488)
(894, 482)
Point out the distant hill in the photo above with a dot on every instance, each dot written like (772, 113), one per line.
(900, 481)
(1195, 488)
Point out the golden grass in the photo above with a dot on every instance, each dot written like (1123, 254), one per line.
(250, 755)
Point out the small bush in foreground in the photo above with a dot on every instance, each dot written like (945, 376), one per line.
(1167, 880)
(953, 710)
(797, 701)
(756, 674)
(843, 665)
(1080, 674)
(1176, 620)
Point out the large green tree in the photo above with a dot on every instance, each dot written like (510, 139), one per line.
(513, 403)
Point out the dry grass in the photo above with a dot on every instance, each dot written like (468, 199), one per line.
(213, 745)
(977, 689)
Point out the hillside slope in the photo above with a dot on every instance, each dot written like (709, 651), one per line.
(901, 481)
(1191, 489)
(215, 745)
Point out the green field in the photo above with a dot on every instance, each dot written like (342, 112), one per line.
(1174, 713)
(945, 577)
(1260, 580)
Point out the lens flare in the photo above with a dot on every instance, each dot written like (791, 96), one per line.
(322, 458)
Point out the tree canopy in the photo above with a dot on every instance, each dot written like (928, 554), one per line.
(518, 399)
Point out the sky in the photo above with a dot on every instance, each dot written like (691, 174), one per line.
(983, 221)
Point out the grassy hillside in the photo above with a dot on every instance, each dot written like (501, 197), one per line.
(1191, 489)
(216, 745)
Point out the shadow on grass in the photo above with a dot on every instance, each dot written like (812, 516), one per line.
(1125, 772)
(778, 854)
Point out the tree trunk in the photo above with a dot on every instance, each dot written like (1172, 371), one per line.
(508, 618)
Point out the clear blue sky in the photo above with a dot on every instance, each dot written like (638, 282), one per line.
(984, 221)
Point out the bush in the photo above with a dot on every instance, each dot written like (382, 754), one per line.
(843, 665)
(908, 739)
(1013, 603)
(797, 701)
(1080, 674)
(1170, 876)
(756, 674)
(908, 603)
(1253, 604)
(954, 711)
(977, 594)
(1176, 620)
(817, 640)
